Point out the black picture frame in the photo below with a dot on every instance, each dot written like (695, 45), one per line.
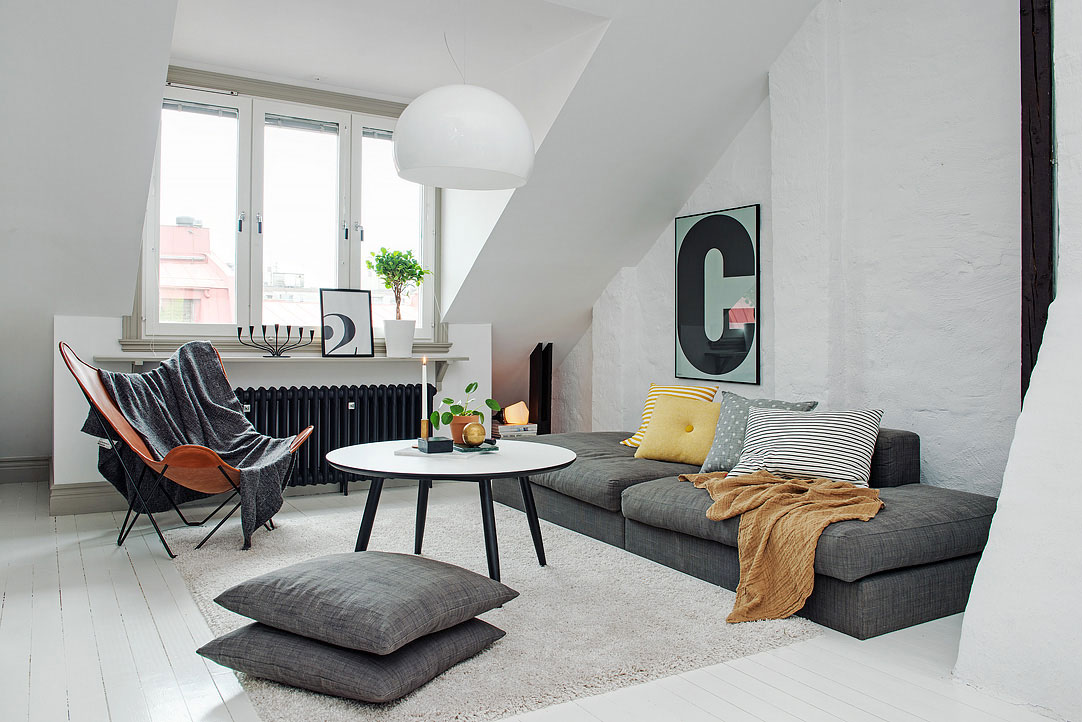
(353, 309)
(734, 234)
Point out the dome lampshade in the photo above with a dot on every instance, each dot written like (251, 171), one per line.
(465, 137)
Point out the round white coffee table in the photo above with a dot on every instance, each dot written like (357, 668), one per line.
(399, 460)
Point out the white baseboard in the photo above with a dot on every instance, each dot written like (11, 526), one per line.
(98, 496)
(22, 469)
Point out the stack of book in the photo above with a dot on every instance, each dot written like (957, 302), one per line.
(511, 431)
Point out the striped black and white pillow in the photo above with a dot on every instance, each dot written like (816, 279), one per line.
(834, 445)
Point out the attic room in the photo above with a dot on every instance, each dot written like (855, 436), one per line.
(540, 360)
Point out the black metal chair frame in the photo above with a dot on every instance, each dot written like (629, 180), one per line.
(126, 527)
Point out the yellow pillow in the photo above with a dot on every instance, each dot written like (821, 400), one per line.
(681, 430)
(704, 393)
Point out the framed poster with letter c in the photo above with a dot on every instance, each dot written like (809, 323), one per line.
(717, 296)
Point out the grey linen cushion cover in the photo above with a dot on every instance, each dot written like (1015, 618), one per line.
(733, 423)
(369, 601)
(273, 654)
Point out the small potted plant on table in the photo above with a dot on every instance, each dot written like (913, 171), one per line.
(399, 272)
(459, 414)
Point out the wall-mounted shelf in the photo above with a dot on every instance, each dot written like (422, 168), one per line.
(139, 360)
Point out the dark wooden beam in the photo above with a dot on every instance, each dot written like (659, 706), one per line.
(1038, 179)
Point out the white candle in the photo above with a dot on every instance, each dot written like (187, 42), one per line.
(424, 387)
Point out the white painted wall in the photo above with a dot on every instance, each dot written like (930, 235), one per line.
(897, 224)
(75, 453)
(633, 333)
(887, 163)
(80, 88)
(665, 92)
(538, 87)
(1020, 638)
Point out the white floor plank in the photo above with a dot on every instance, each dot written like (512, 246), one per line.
(47, 703)
(646, 702)
(86, 690)
(123, 690)
(898, 661)
(197, 687)
(708, 699)
(840, 710)
(565, 712)
(917, 700)
(726, 686)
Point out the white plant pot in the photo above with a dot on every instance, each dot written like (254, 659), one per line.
(399, 337)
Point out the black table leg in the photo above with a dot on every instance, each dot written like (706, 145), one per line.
(488, 520)
(531, 517)
(369, 517)
(422, 510)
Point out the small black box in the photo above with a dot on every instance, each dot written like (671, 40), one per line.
(435, 445)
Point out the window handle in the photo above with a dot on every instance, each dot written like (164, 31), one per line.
(345, 230)
(259, 223)
(360, 231)
(240, 223)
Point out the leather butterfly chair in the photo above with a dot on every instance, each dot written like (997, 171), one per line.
(193, 467)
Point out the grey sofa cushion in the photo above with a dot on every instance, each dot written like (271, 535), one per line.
(280, 656)
(369, 601)
(733, 422)
(918, 524)
(896, 460)
(603, 469)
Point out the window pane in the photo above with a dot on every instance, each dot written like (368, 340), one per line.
(300, 218)
(198, 214)
(391, 213)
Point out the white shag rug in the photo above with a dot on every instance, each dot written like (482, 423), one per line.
(595, 619)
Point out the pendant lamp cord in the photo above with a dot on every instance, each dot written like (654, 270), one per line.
(447, 45)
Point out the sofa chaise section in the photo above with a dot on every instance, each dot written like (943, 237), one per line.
(912, 563)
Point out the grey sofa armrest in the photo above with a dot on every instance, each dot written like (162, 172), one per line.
(896, 460)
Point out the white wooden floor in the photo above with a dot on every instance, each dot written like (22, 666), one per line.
(90, 631)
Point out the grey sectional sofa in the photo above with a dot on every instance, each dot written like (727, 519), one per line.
(912, 563)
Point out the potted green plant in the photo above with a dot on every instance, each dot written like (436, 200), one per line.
(460, 413)
(399, 271)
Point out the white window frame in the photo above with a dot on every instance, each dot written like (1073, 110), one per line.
(152, 228)
(352, 252)
(426, 330)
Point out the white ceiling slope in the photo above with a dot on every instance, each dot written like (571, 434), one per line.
(80, 87)
(667, 89)
(393, 50)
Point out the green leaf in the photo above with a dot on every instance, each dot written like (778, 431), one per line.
(457, 410)
(448, 401)
(447, 417)
(471, 388)
(480, 417)
(434, 419)
(491, 403)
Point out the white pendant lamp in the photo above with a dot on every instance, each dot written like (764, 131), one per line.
(465, 137)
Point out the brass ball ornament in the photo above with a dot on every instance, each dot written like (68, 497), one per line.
(473, 434)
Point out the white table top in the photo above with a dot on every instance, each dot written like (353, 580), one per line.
(515, 458)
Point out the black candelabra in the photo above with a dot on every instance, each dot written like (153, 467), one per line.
(277, 347)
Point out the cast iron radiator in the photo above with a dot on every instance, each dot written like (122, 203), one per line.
(341, 415)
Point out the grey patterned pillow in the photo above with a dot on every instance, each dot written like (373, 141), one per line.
(270, 653)
(369, 601)
(733, 422)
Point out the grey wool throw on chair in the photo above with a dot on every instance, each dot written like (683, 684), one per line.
(188, 400)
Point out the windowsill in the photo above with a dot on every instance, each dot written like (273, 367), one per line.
(162, 346)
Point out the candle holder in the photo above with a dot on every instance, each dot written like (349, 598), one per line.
(277, 347)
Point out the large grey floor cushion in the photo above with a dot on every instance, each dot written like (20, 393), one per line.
(370, 601)
(365, 625)
(287, 658)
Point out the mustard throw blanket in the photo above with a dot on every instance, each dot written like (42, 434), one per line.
(780, 523)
